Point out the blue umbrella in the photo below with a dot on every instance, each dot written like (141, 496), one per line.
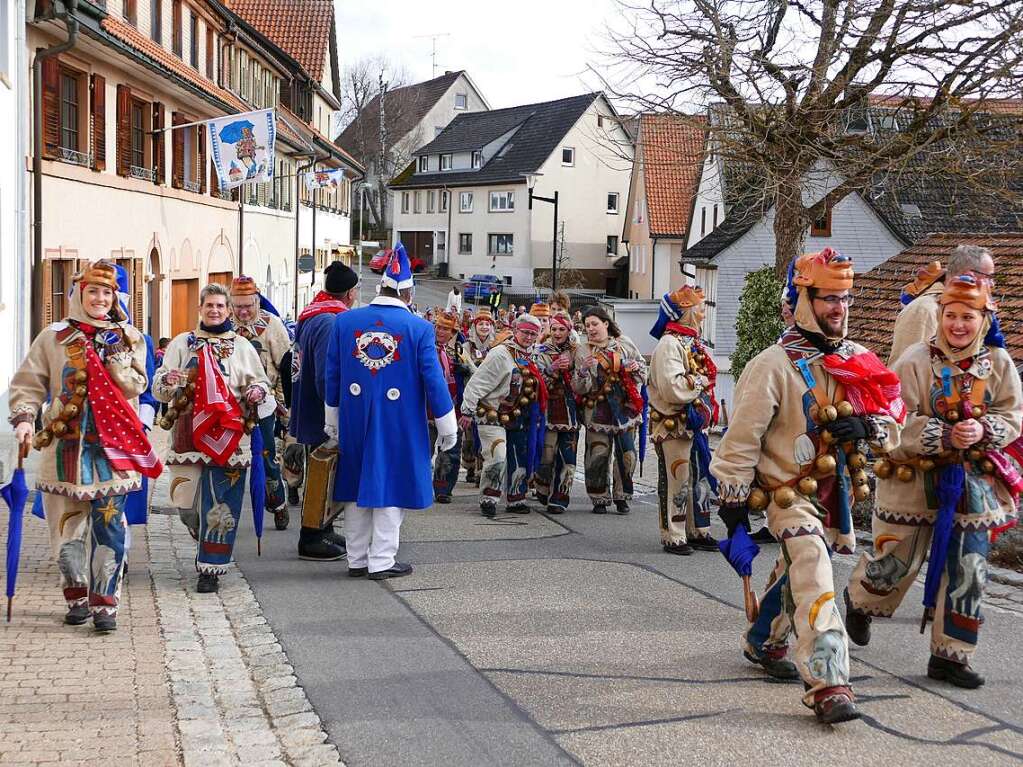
(257, 485)
(14, 493)
(232, 132)
(740, 550)
(949, 490)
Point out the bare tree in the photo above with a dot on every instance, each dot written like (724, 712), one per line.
(812, 101)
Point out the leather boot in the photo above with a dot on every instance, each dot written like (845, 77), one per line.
(959, 674)
(857, 623)
(314, 545)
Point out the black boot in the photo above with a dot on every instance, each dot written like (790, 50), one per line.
(488, 510)
(293, 498)
(857, 623)
(600, 508)
(704, 543)
(334, 537)
(622, 507)
(779, 668)
(208, 583)
(314, 545)
(680, 549)
(104, 623)
(442, 499)
(959, 674)
(518, 508)
(77, 615)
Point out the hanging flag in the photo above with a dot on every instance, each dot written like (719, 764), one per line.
(242, 147)
(332, 178)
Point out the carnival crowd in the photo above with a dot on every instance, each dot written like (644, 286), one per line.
(364, 413)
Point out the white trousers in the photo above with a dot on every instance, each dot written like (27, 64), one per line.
(371, 536)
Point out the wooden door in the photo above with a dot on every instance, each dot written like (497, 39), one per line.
(223, 278)
(184, 305)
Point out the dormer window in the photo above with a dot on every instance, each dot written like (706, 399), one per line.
(477, 159)
(461, 101)
(445, 162)
(424, 163)
(567, 155)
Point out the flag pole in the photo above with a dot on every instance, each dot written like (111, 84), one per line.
(241, 230)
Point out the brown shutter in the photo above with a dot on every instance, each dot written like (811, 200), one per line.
(159, 142)
(51, 107)
(137, 286)
(47, 268)
(214, 181)
(99, 122)
(177, 152)
(123, 130)
(200, 133)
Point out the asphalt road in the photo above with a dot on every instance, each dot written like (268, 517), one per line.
(575, 640)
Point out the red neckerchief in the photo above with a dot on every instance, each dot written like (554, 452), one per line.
(323, 303)
(870, 387)
(120, 431)
(217, 421)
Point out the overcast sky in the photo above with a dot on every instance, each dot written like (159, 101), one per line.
(516, 52)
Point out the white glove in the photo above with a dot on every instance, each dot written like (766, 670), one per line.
(446, 441)
(330, 421)
(147, 413)
(447, 430)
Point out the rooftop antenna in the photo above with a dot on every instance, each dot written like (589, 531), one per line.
(433, 55)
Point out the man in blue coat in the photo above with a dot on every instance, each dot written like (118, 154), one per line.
(381, 374)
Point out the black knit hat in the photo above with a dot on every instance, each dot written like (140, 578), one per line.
(338, 278)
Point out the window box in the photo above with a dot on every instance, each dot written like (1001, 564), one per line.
(502, 202)
(465, 244)
(140, 173)
(191, 186)
(75, 158)
(612, 202)
(500, 244)
(568, 156)
(465, 202)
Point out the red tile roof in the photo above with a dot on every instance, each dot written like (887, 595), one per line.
(672, 147)
(877, 292)
(992, 106)
(301, 28)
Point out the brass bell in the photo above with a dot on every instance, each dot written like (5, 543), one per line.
(81, 376)
(815, 413)
(166, 424)
(669, 424)
(826, 464)
(492, 415)
(758, 499)
(844, 409)
(904, 473)
(861, 492)
(523, 400)
(81, 391)
(655, 415)
(190, 387)
(70, 411)
(42, 439)
(926, 464)
(601, 398)
(827, 437)
(860, 477)
(250, 425)
(857, 460)
(530, 381)
(480, 410)
(181, 401)
(784, 497)
(883, 468)
(505, 418)
(59, 428)
(974, 454)
(979, 410)
(829, 413)
(516, 412)
(952, 416)
(172, 413)
(808, 486)
(987, 466)
(528, 389)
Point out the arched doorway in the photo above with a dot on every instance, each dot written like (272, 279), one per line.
(154, 308)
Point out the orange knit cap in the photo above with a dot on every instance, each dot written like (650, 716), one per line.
(925, 277)
(540, 310)
(446, 320)
(99, 273)
(244, 286)
(483, 313)
(967, 289)
(827, 270)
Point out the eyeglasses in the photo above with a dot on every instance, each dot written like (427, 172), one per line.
(836, 300)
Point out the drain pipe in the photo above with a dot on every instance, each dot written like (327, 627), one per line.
(70, 8)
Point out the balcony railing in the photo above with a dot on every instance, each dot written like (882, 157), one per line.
(75, 158)
(142, 174)
(225, 194)
(191, 186)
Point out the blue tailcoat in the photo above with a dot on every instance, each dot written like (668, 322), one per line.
(308, 389)
(381, 373)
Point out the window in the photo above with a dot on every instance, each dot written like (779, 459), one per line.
(404, 202)
(210, 59)
(193, 39)
(461, 101)
(465, 244)
(715, 217)
(138, 134)
(612, 202)
(176, 24)
(424, 164)
(612, 245)
(444, 202)
(431, 201)
(502, 202)
(703, 220)
(465, 202)
(477, 158)
(499, 244)
(131, 12)
(156, 20)
(445, 162)
(68, 110)
(417, 204)
(822, 226)
(600, 121)
(567, 155)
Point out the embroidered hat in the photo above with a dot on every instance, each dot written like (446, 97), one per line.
(540, 310)
(483, 315)
(827, 270)
(244, 286)
(447, 320)
(398, 272)
(99, 273)
(967, 289)
(925, 277)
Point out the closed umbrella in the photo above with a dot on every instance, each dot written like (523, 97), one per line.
(257, 485)
(14, 493)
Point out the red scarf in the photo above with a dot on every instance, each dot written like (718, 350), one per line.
(870, 387)
(120, 431)
(217, 421)
(323, 303)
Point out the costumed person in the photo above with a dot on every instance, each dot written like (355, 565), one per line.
(682, 409)
(555, 358)
(213, 381)
(454, 303)
(609, 377)
(91, 367)
(456, 372)
(542, 312)
(314, 455)
(268, 336)
(382, 374)
(506, 398)
(918, 320)
(948, 488)
(474, 350)
(804, 408)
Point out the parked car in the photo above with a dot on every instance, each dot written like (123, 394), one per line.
(379, 262)
(481, 287)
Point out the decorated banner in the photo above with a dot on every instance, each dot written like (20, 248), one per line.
(333, 178)
(242, 147)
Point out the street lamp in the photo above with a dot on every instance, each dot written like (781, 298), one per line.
(530, 183)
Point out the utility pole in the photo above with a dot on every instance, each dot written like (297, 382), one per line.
(433, 55)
